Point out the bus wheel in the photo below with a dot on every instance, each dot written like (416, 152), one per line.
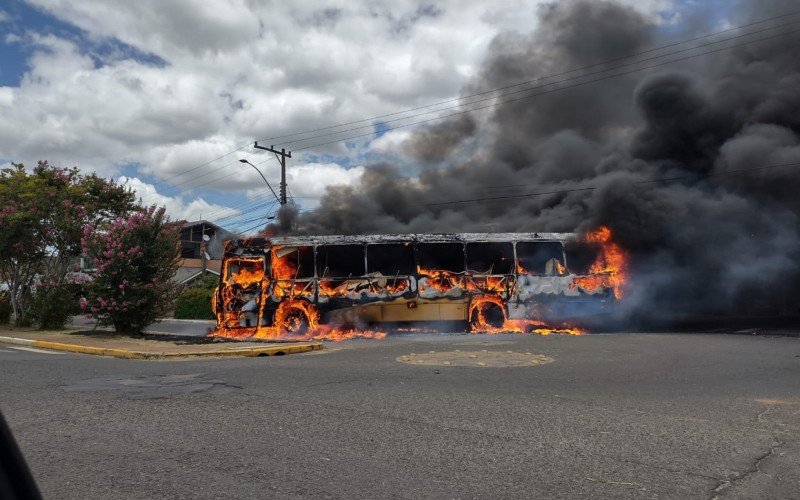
(296, 317)
(486, 314)
(296, 322)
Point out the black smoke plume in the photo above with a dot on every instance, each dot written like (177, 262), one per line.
(703, 243)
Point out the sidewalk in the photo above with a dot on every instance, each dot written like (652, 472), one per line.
(105, 344)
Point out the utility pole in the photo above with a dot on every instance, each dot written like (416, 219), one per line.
(281, 156)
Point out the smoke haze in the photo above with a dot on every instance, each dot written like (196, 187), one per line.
(701, 244)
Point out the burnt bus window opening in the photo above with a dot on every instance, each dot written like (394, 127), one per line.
(490, 258)
(581, 256)
(441, 256)
(540, 257)
(390, 259)
(293, 262)
(340, 261)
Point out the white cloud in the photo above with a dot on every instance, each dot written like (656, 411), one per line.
(391, 142)
(6, 96)
(307, 182)
(194, 209)
(4, 16)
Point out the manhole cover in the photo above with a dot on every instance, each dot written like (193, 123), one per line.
(483, 358)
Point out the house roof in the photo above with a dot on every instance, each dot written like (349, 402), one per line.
(204, 222)
(185, 275)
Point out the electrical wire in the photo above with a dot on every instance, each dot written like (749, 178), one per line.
(491, 91)
(499, 103)
(494, 104)
(607, 77)
(603, 70)
(608, 61)
(650, 181)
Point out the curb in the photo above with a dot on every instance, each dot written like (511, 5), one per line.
(127, 354)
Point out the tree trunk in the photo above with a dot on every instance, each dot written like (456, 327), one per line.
(15, 293)
(19, 278)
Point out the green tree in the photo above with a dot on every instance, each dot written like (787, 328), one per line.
(134, 259)
(22, 237)
(41, 221)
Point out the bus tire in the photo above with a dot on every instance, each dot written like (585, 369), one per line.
(296, 322)
(485, 315)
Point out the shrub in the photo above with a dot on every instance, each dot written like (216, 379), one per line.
(194, 303)
(53, 305)
(207, 282)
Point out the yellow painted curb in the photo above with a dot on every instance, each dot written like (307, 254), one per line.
(126, 354)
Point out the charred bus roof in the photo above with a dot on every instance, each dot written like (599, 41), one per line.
(254, 243)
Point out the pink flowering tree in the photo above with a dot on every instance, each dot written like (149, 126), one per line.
(134, 259)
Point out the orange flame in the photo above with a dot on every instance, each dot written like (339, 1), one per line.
(284, 271)
(439, 280)
(248, 276)
(297, 319)
(487, 284)
(282, 268)
(610, 269)
(397, 286)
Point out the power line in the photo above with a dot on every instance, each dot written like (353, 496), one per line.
(241, 205)
(674, 44)
(579, 84)
(574, 190)
(175, 186)
(607, 77)
(585, 189)
(519, 91)
(264, 220)
(204, 164)
(250, 209)
(547, 91)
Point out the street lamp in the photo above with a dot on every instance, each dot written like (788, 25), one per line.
(244, 160)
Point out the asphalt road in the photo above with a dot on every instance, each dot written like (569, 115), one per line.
(601, 416)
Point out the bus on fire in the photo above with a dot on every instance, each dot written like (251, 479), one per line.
(290, 285)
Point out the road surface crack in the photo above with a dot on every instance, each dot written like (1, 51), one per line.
(738, 477)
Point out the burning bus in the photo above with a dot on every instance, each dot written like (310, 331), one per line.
(345, 286)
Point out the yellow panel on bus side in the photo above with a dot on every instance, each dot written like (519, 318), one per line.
(452, 311)
(401, 312)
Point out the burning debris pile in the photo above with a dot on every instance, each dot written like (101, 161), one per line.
(650, 154)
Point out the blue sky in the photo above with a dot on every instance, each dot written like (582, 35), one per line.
(21, 19)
